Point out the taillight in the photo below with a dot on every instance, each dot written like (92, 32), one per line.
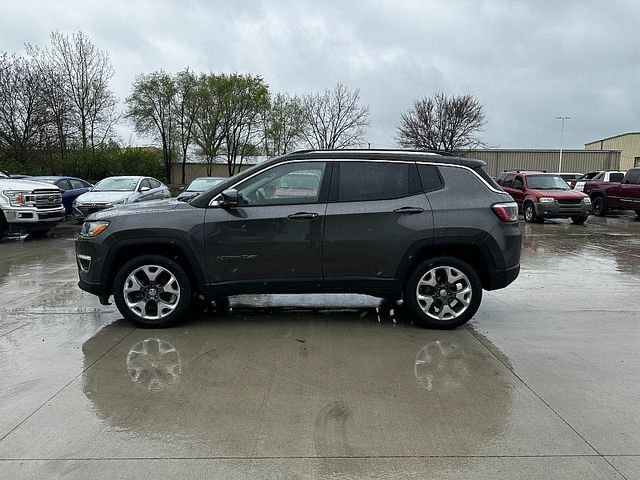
(507, 212)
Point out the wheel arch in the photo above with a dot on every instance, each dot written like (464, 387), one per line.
(472, 251)
(175, 249)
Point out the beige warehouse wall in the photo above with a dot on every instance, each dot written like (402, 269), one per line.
(579, 161)
(628, 144)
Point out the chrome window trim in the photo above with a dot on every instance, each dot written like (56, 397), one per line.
(215, 201)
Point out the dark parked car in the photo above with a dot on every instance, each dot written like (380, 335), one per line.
(430, 229)
(199, 185)
(70, 187)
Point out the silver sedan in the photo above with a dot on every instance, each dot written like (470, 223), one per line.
(114, 191)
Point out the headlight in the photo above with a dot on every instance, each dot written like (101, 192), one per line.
(547, 200)
(120, 202)
(93, 229)
(19, 198)
(586, 200)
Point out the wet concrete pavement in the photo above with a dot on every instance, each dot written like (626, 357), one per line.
(543, 383)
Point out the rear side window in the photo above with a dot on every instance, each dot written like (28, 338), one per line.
(633, 176)
(616, 177)
(429, 177)
(507, 181)
(362, 181)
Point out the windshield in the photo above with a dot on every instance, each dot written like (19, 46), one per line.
(116, 185)
(203, 184)
(547, 182)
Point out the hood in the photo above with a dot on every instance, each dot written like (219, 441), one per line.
(140, 208)
(187, 195)
(16, 184)
(559, 194)
(102, 197)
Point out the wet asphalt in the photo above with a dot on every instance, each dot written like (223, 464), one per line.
(542, 383)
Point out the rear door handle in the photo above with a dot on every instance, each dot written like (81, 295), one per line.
(408, 210)
(302, 216)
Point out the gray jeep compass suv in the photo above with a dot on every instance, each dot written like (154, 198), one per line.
(431, 229)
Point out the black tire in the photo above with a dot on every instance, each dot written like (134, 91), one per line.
(599, 205)
(429, 320)
(579, 220)
(184, 287)
(4, 228)
(530, 213)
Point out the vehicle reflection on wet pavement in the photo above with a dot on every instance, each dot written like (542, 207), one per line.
(541, 384)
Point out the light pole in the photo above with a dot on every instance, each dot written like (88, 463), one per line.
(562, 119)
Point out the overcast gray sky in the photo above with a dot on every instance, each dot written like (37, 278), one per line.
(527, 61)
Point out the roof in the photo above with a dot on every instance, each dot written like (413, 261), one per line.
(613, 136)
(388, 155)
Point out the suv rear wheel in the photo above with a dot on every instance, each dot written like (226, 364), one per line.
(152, 291)
(443, 292)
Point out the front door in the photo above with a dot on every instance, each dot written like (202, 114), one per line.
(630, 191)
(275, 232)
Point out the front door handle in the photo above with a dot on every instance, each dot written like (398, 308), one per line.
(408, 210)
(302, 216)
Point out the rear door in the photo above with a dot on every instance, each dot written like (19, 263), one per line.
(376, 210)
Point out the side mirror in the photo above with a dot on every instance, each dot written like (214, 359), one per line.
(181, 188)
(230, 198)
(144, 189)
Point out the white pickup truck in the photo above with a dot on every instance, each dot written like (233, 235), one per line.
(599, 176)
(28, 207)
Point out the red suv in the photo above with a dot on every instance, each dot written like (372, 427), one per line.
(541, 195)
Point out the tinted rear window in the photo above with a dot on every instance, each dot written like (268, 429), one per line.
(429, 177)
(616, 177)
(360, 181)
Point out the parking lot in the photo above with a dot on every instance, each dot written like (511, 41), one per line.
(542, 383)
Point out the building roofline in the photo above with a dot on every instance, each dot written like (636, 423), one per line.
(611, 137)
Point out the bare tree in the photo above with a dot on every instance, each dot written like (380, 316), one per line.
(58, 105)
(150, 108)
(22, 116)
(446, 123)
(334, 119)
(208, 124)
(283, 124)
(186, 105)
(86, 71)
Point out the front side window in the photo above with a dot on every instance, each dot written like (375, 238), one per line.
(367, 181)
(288, 184)
(633, 176)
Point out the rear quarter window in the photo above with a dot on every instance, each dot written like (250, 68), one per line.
(429, 177)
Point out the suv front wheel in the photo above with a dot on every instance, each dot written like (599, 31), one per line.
(443, 292)
(152, 291)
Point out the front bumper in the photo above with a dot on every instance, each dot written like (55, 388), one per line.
(25, 220)
(562, 210)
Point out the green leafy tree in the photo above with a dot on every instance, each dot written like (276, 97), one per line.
(283, 124)
(150, 107)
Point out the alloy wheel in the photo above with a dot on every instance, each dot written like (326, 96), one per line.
(151, 292)
(444, 293)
